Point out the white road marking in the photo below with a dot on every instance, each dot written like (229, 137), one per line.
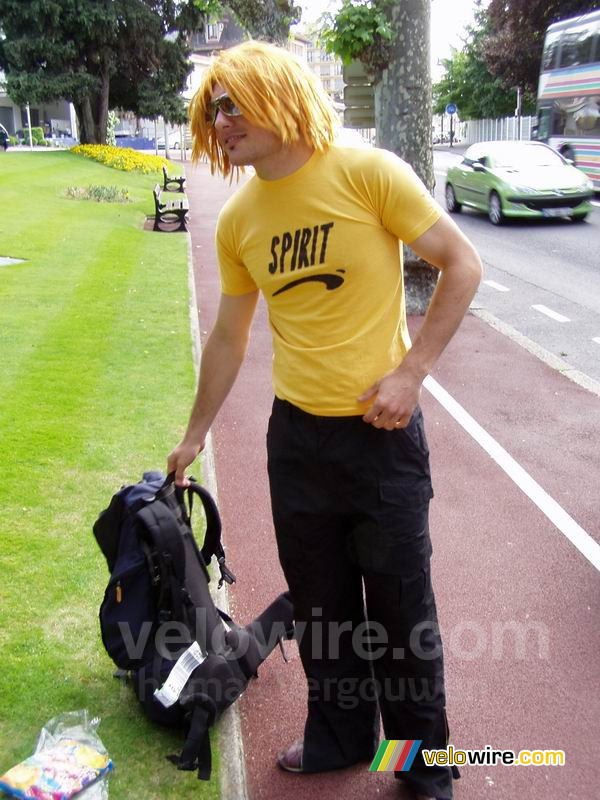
(595, 203)
(553, 361)
(547, 505)
(552, 314)
(497, 286)
(596, 339)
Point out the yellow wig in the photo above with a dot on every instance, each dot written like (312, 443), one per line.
(273, 89)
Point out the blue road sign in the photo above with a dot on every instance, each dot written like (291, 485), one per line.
(451, 108)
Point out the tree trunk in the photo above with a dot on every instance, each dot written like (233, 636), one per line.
(403, 120)
(85, 119)
(92, 113)
(101, 108)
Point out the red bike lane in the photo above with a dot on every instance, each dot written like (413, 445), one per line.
(517, 601)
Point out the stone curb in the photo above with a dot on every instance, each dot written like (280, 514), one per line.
(232, 773)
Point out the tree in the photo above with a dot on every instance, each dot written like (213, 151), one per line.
(468, 83)
(267, 20)
(391, 38)
(512, 50)
(97, 54)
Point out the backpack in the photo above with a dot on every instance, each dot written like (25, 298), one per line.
(188, 660)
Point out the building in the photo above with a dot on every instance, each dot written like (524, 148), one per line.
(300, 46)
(226, 33)
(57, 119)
(329, 69)
(217, 36)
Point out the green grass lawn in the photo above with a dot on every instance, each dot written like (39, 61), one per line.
(96, 382)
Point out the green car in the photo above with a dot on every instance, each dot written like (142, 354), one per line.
(518, 179)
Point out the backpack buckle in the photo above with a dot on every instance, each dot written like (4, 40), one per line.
(226, 574)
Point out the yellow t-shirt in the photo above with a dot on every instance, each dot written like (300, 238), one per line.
(322, 244)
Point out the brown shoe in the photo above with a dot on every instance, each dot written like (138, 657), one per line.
(290, 759)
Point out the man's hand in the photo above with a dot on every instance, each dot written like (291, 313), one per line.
(396, 397)
(181, 457)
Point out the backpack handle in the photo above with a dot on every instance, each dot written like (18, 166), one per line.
(212, 539)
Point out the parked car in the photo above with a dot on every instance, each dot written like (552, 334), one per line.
(518, 179)
(4, 137)
(174, 141)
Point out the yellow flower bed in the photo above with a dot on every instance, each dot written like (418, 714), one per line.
(124, 158)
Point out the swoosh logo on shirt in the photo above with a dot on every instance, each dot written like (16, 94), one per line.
(330, 281)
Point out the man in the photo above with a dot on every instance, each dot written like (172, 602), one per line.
(317, 230)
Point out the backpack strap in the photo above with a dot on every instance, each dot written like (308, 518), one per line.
(212, 539)
(161, 525)
(196, 753)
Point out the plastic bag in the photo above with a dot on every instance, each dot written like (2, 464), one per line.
(69, 757)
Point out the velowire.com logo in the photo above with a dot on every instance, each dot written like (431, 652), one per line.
(395, 755)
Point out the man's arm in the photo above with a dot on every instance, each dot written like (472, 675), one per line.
(222, 358)
(397, 393)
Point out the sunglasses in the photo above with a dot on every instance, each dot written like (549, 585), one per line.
(225, 105)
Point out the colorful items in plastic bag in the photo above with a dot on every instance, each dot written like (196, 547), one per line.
(62, 765)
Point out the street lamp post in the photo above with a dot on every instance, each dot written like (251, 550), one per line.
(29, 126)
(518, 111)
(451, 110)
(166, 138)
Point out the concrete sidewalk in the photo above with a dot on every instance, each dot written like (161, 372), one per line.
(499, 560)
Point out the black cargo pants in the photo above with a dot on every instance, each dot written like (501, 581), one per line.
(350, 507)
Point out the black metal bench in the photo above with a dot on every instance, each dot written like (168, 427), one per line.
(169, 212)
(174, 184)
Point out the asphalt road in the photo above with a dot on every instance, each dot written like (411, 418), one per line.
(549, 263)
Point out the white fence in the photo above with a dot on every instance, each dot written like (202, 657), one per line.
(485, 130)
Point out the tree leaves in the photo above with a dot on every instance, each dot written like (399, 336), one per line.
(267, 20)
(512, 48)
(96, 52)
(359, 31)
(469, 83)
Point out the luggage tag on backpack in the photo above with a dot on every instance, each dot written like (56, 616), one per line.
(172, 688)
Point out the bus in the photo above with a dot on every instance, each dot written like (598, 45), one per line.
(568, 102)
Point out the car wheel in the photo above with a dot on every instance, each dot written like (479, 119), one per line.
(579, 217)
(495, 209)
(452, 203)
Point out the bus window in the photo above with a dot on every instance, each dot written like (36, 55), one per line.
(587, 119)
(543, 126)
(550, 51)
(577, 47)
(577, 116)
(559, 121)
